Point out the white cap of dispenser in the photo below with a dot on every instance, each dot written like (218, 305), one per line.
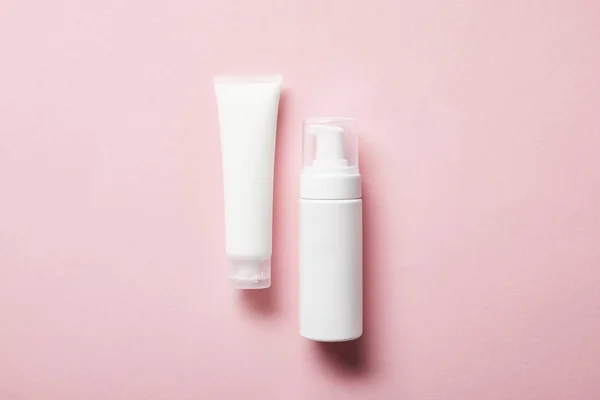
(329, 160)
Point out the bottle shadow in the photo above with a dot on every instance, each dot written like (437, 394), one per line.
(345, 358)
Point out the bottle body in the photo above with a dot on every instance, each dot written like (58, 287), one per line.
(331, 269)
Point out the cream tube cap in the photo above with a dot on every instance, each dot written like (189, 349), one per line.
(250, 273)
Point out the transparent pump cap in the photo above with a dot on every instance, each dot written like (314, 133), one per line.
(329, 145)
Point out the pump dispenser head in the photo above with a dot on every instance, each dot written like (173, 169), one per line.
(330, 144)
(330, 159)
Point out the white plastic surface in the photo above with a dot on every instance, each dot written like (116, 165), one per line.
(247, 110)
(330, 233)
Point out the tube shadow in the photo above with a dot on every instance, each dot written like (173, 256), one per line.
(259, 301)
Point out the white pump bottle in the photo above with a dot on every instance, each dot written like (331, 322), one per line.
(330, 250)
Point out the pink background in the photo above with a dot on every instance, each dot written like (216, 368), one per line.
(481, 166)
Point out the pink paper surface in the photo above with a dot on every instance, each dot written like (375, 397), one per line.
(481, 167)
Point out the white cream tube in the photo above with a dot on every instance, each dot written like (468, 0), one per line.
(248, 121)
